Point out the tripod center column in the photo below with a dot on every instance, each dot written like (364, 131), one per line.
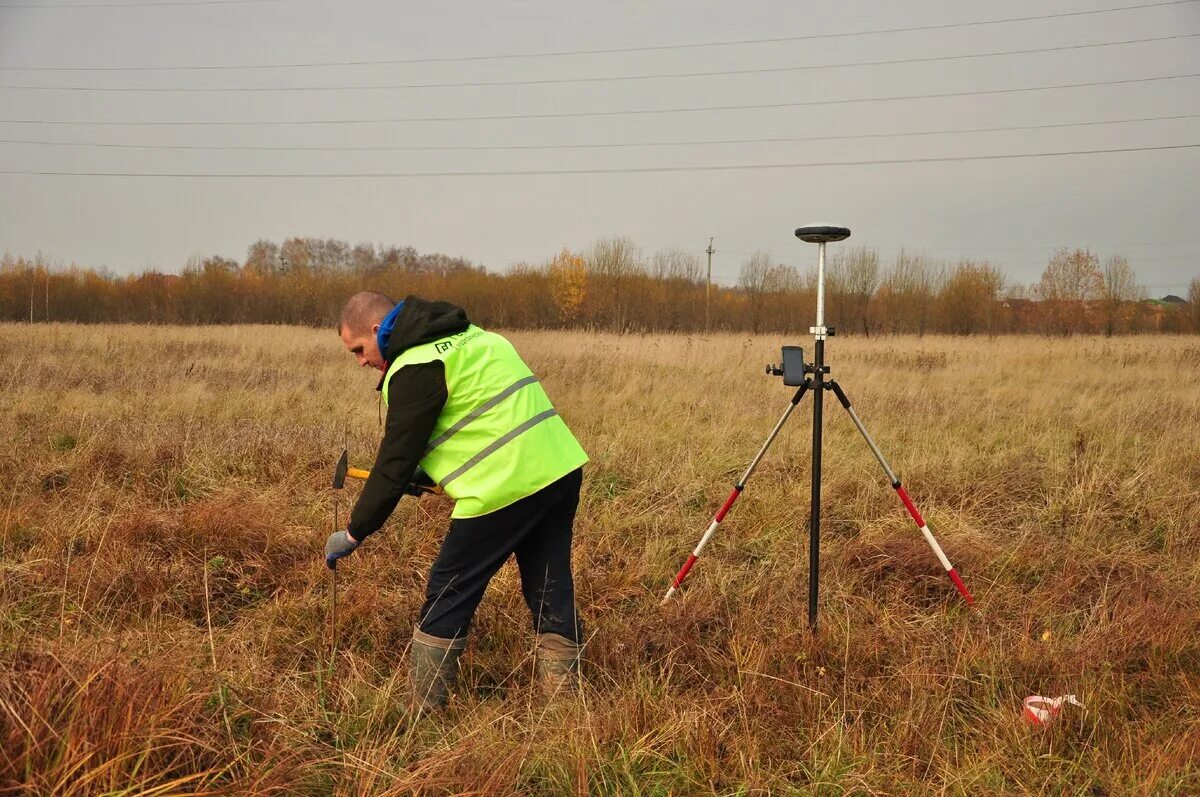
(819, 234)
(814, 527)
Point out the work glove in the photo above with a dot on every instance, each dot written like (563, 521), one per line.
(339, 544)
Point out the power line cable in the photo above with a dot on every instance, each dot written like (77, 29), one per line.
(608, 50)
(596, 79)
(600, 145)
(618, 170)
(152, 4)
(583, 114)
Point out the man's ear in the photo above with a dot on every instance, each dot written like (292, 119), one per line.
(375, 329)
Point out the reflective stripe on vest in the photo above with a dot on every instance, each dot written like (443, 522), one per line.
(496, 446)
(480, 410)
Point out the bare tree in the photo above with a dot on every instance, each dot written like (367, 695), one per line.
(363, 260)
(788, 302)
(612, 265)
(1019, 291)
(675, 264)
(668, 296)
(791, 305)
(1120, 291)
(755, 280)
(851, 280)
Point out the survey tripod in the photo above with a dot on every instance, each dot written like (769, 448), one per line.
(811, 377)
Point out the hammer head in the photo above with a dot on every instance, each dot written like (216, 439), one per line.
(339, 472)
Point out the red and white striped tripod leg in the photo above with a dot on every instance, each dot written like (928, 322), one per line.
(933, 543)
(691, 560)
(908, 504)
(733, 496)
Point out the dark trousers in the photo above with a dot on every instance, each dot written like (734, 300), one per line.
(537, 529)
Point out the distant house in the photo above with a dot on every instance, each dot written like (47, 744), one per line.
(1022, 313)
(1169, 301)
(1018, 304)
(1162, 310)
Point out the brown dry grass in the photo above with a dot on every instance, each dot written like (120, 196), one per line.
(164, 624)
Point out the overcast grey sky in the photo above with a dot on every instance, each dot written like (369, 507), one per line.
(1013, 212)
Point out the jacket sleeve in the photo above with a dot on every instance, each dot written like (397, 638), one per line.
(416, 395)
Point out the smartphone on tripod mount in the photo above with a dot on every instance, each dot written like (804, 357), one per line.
(792, 367)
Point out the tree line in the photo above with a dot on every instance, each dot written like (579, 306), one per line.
(610, 286)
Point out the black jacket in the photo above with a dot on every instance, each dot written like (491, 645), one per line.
(416, 395)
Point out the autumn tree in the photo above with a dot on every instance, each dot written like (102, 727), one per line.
(305, 281)
(263, 258)
(969, 301)
(904, 301)
(211, 283)
(523, 300)
(1070, 282)
(149, 298)
(295, 256)
(568, 285)
(20, 290)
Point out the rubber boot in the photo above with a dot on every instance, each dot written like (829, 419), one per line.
(558, 663)
(433, 667)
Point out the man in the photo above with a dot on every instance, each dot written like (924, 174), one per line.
(465, 407)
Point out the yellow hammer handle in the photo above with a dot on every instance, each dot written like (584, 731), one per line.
(359, 473)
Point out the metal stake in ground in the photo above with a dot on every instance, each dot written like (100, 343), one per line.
(333, 600)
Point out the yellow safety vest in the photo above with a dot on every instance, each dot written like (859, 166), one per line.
(498, 439)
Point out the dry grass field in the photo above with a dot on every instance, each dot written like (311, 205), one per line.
(164, 610)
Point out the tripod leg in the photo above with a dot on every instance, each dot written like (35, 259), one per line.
(733, 496)
(900, 491)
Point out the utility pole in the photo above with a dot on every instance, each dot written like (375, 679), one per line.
(708, 284)
(32, 291)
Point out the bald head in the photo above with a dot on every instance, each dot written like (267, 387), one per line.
(363, 310)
